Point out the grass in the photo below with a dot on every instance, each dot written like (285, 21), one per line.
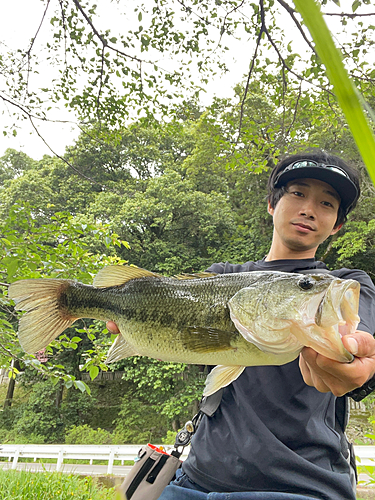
(21, 485)
(66, 461)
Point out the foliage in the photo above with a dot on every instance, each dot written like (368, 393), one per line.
(171, 388)
(139, 422)
(55, 249)
(41, 416)
(18, 485)
(184, 192)
(83, 434)
(170, 438)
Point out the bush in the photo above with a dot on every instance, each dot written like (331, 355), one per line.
(83, 434)
(40, 414)
(139, 423)
(170, 438)
(13, 437)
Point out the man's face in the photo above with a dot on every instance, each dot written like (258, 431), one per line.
(306, 215)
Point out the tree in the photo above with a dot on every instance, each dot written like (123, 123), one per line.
(56, 249)
(110, 75)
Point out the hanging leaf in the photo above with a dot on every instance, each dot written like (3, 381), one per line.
(350, 100)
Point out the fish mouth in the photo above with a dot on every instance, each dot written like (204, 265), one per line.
(339, 306)
(336, 315)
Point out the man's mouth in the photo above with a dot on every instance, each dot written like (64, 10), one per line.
(303, 227)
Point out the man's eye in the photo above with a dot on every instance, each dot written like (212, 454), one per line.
(297, 193)
(327, 204)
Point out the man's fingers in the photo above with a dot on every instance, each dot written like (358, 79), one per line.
(310, 377)
(340, 378)
(361, 344)
(112, 327)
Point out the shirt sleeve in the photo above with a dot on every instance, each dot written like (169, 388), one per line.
(366, 299)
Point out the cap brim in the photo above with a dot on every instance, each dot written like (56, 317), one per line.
(344, 186)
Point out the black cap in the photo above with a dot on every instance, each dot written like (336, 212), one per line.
(331, 174)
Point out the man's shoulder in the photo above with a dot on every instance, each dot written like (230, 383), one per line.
(288, 265)
(227, 267)
(354, 274)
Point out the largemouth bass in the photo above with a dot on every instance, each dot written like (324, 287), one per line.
(232, 320)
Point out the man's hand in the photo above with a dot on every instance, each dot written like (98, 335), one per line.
(112, 328)
(327, 375)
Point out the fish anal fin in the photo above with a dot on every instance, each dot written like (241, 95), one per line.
(204, 340)
(187, 276)
(118, 275)
(221, 376)
(120, 349)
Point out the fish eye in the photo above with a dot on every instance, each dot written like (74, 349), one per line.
(306, 283)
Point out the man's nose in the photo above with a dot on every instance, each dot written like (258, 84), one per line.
(308, 210)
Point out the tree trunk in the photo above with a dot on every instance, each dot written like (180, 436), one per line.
(59, 394)
(11, 385)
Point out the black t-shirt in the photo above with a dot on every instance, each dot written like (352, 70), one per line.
(271, 431)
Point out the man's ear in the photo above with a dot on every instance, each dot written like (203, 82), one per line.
(270, 210)
(336, 229)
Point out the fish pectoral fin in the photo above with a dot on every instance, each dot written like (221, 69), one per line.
(118, 275)
(187, 276)
(221, 376)
(202, 340)
(120, 349)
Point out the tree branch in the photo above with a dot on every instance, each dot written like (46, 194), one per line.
(248, 79)
(296, 109)
(351, 15)
(222, 29)
(297, 23)
(28, 53)
(101, 38)
(100, 82)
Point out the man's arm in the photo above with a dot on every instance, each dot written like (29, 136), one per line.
(327, 375)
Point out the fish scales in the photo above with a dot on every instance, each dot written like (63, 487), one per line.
(158, 301)
(154, 311)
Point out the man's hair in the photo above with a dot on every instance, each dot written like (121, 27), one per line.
(275, 194)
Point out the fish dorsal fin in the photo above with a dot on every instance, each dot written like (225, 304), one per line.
(120, 349)
(195, 276)
(118, 275)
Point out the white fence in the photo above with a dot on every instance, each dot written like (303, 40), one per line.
(61, 452)
(109, 453)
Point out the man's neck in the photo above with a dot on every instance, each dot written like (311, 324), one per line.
(288, 254)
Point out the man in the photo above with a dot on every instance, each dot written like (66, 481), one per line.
(278, 432)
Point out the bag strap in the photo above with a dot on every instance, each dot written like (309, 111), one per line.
(209, 404)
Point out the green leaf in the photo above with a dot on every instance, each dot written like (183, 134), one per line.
(350, 100)
(94, 371)
(80, 385)
(75, 339)
(355, 5)
(12, 268)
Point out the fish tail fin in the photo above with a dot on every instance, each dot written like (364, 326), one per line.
(221, 376)
(45, 317)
